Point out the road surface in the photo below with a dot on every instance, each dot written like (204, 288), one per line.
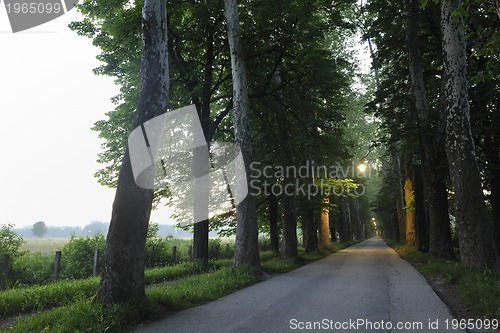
(365, 288)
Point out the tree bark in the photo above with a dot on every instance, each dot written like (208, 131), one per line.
(122, 279)
(309, 229)
(324, 225)
(410, 212)
(289, 247)
(273, 223)
(421, 214)
(398, 189)
(246, 250)
(435, 190)
(474, 231)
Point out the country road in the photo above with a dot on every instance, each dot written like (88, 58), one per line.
(365, 288)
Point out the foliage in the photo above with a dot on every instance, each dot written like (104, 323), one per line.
(214, 248)
(32, 268)
(39, 229)
(78, 256)
(10, 242)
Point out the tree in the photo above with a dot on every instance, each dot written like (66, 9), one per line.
(474, 231)
(246, 250)
(435, 186)
(122, 279)
(10, 241)
(39, 229)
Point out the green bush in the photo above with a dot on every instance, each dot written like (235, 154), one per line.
(158, 252)
(214, 245)
(32, 268)
(10, 241)
(78, 256)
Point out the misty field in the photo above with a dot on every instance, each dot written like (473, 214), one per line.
(44, 245)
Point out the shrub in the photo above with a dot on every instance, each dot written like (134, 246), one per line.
(32, 268)
(10, 242)
(78, 256)
(158, 252)
(214, 248)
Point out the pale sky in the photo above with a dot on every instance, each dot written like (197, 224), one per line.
(49, 100)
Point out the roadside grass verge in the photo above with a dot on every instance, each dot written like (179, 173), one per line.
(36, 298)
(480, 290)
(24, 300)
(85, 315)
(203, 288)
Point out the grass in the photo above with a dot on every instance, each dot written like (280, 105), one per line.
(85, 315)
(35, 298)
(44, 245)
(480, 290)
(203, 288)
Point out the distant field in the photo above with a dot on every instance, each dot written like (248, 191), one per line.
(44, 245)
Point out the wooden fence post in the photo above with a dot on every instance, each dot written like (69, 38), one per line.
(96, 261)
(227, 250)
(174, 254)
(57, 265)
(190, 253)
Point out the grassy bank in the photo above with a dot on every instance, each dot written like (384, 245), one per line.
(479, 290)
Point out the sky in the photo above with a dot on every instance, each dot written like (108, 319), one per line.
(49, 100)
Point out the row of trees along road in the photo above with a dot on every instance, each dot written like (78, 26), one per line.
(285, 70)
(438, 97)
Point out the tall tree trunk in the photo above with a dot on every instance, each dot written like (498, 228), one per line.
(492, 151)
(324, 224)
(398, 190)
(359, 224)
(309, 228)
(410, 211)
(421, 214)
(289, 246)
(474, 231)
(273, 223)
(202, 158)
(246, 251)
(333, 229)
(122, 279)
(435, 191)
(344, 225)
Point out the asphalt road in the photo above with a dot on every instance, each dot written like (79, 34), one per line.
(365, 288)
